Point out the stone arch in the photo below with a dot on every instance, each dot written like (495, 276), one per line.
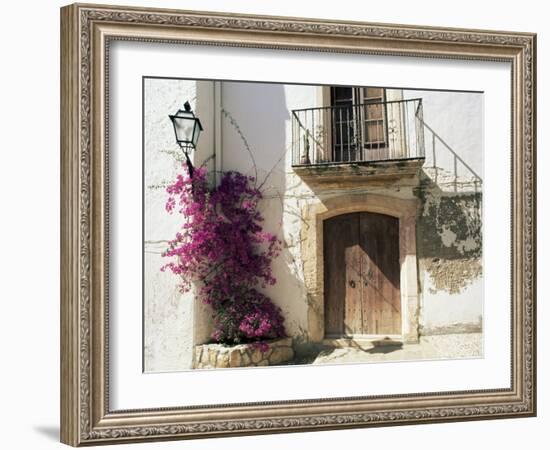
(312, 255)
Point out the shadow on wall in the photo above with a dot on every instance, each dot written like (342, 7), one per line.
(254, 130)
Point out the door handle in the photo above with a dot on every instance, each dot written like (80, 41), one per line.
(352, 284)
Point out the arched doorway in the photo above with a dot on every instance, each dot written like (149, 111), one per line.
(313, 248)
(361, 275)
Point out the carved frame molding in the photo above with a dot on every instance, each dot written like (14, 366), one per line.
(86, 31)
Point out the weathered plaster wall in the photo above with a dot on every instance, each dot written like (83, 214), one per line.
(449, 227)
(449, 235)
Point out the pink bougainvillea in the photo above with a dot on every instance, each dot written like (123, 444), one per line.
(223, 247)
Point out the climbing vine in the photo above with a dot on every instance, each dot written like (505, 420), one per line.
(223, 248)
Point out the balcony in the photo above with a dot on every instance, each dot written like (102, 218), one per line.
(358, 142)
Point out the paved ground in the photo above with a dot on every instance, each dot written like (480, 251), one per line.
(448, 346)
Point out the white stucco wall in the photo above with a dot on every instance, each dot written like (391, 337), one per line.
(457, 119)
(442, 312)
(168, 315)
(255, 119)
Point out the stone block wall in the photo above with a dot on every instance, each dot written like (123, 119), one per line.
(211, 356)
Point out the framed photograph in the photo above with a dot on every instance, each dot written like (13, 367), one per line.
(287, 224)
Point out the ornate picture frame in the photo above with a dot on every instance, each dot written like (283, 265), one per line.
(86, 34)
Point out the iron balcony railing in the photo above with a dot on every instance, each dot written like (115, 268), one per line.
(376, 131)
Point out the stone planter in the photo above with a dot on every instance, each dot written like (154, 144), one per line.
(210, 356)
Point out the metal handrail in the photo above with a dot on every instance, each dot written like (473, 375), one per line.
(308, 133)
(358, 132)
(418, 99)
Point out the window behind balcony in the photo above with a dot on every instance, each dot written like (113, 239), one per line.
(359, 117)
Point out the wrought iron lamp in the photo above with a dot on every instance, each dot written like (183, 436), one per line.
(187, 128)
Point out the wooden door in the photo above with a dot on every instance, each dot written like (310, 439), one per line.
(361, 260)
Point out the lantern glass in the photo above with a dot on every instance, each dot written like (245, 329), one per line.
(184, 125)
(187, 127)
(196, 132)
